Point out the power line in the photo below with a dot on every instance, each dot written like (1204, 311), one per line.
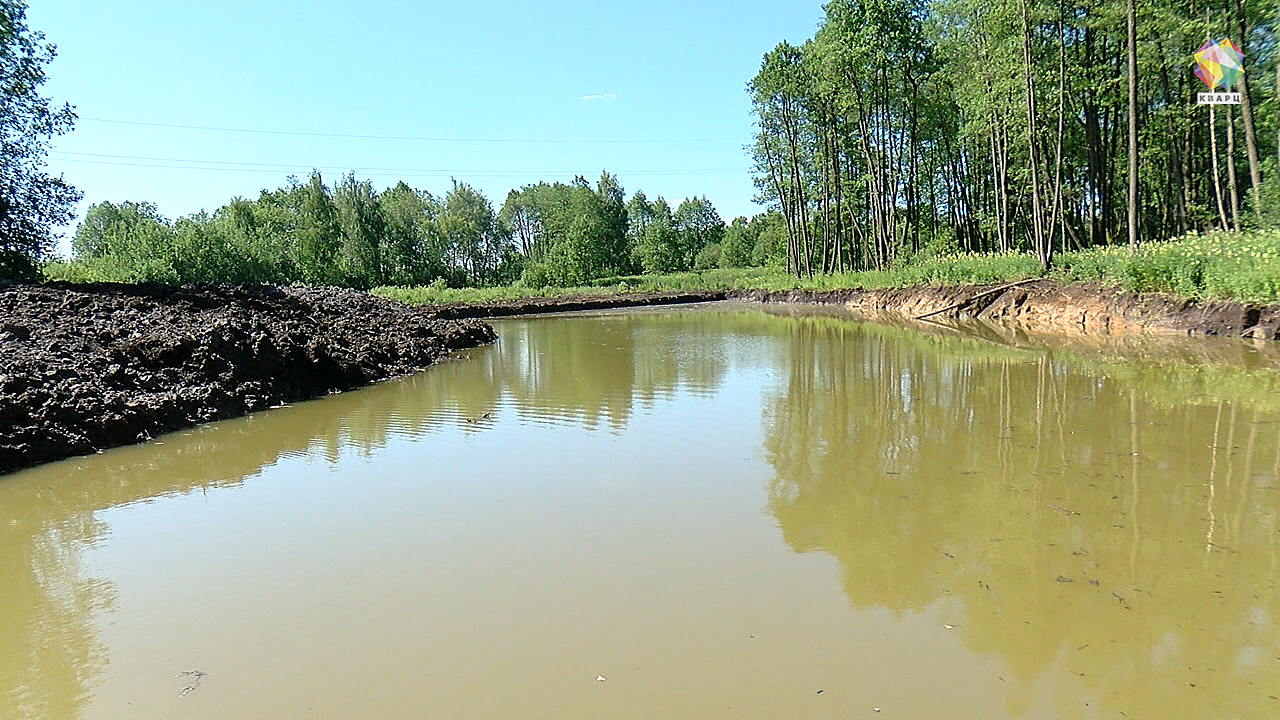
(154, 162)
(423, 138)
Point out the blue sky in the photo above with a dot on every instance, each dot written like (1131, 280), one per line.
(500, 94)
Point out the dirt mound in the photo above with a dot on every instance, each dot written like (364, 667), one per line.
(85, 367)
(1050, 306)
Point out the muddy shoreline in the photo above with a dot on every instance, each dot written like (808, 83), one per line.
(1044, 306)
(1047, 306)
(87, 367)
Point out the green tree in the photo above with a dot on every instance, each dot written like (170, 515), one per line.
(106, 226)
(316, 241)
(32, 202)
(639, 215)
(735, 249)
(360, 228)
(613, 216)
(475, 239)
(698, 225)
(658, 249)
(413, 252)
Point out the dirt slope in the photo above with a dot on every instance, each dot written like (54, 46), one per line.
(85, 367)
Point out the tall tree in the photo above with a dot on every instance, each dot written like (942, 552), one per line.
(32, 202)
(1131, 15)
(697, 224)
(475, 238)
(361, 232)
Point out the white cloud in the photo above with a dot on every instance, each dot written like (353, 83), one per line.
(599, 96)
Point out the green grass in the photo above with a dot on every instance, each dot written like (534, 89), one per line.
(1217, 266)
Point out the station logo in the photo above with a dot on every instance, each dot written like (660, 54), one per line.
(1219, 64)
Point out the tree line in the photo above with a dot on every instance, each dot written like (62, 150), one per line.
(1042, 125)
(350, 234)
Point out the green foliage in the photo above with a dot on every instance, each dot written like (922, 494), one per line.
(735, 249)
(771, 242)
(32, 202)
(657, 248)
(708, 257)
(697, 225)
(1227, 266)
(303, 233)
(1243, 267)
(904, 129)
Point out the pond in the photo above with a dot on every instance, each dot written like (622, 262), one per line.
(704, 512)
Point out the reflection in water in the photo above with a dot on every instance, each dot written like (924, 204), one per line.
(46, 605)
(1107, 530)
(1093, 535)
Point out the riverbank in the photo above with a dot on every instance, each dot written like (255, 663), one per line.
(86, 367)
(92, 366)
(1049, 306)
(1045, 306)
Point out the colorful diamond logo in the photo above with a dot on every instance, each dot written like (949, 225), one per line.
(1219, 63)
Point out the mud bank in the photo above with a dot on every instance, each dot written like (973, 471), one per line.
(537, 306)
(86, 367)
(1046, 306)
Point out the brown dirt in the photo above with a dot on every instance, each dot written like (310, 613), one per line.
(87, 367)
(1049, 306)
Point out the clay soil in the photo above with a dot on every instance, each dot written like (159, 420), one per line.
(86, 367)
(1046, 306)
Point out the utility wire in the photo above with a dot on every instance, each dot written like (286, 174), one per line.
(121, 160)
(424, 138)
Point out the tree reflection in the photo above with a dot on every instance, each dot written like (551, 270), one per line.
(1108, 529)
(1072, 520)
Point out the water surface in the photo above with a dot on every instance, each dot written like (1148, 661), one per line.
(723, 512)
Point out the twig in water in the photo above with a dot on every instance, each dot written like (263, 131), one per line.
(196, 676)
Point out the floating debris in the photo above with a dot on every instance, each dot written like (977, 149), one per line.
(196, 676)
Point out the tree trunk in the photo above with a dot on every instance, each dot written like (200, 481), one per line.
(1044, 254)
(1133, 127)
(1246, 114)
(1231, 170)
(1213, 156)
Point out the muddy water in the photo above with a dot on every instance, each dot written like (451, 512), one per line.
(703, 513)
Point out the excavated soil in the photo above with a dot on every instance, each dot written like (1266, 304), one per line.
(86, 367)
(1046, 306)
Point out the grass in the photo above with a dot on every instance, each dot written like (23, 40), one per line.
(1216, 266)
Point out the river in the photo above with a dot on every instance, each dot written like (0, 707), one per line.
(705, 512)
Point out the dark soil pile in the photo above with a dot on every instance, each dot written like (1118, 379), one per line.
(85, 367)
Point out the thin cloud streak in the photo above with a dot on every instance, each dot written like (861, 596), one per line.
(599, 96)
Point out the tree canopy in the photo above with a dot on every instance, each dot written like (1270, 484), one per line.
(32, 202)
(905, 126)
(350, 234)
